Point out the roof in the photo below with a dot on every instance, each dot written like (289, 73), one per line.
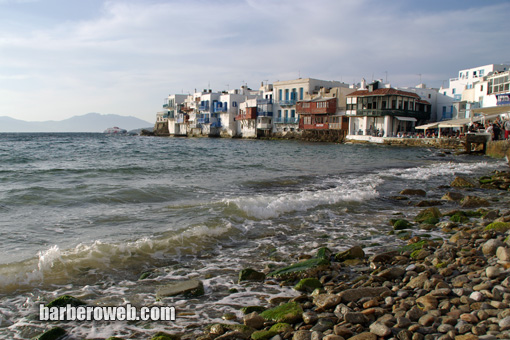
(382, 92)
(321, 99)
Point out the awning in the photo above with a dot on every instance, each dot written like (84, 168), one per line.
(454, 123)
(492, 110)
(427, 126)
(409, 119)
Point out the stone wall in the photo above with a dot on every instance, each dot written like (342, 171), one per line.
(499, 149)
(161, 129)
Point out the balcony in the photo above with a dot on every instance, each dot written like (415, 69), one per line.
(388, 112)
(286, 120)
(204, 107)
(288, 102)
(203, 120)
(165, 106)
(264, 114)
(251, 113)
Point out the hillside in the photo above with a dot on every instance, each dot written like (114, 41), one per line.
(91, 122)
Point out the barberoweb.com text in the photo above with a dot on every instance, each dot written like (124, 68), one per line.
(106, 313)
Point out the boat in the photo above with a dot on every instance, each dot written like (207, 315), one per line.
(115, 130)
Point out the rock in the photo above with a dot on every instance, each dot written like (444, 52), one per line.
(302, 335)
(65, 300)
(476, 296)
(489, 248)
(503, 254)
(364, 336)
(52, 334)
(310, 317)
(473, 202)
(323, 325)
(492, 272)
(392, 273)
(380, 329)
(427, 320)
(254, 320)
(462, 182)
(415, 192)
(504, 324)
(355, 252)
(498, 226)
(326, 301)
(308, 285)
(289, 313)
(383, 257)
(418, 281)
(427, 302)
(469, 318)
(428, 203)
(249, 274)
(189, 288)
(452, 196)
(401, 224)
(427, 214)
(356, 318)
(333, 337)
(414, 313)
(354, 294)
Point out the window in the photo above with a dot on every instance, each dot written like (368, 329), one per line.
(234, 104)
(481, 73)
(292, 113)
(453, 91)
(287, 94)
(280, 94)
(430, 96)
(279, 113)
(300, 93)
(481, 87)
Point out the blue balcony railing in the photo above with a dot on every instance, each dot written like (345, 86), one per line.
(204, 107)
(264, 114)
(288, 102)
(286, 120)
(165, 106)
(203, 120)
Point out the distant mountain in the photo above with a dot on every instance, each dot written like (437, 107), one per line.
(91, 122)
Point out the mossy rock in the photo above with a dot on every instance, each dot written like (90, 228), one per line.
(431, 220)
(263, 335)
(188, 288)
(288, 313)
(52, 334)
(321, 259)
(250, 274)
(251, 309)
(65, 300)
(498, 226)
(401, 224)
(485, 180)
(413, 246)
(165, 336)
(281, 327)
(459, 218)
(428, 213)
(308, 285)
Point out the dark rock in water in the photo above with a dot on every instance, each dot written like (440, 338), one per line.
(52, 334)
(189, 288)
(355, 252)
(452, 196)
(401, 224)
(473, 202)
(399, 198)
(462, 182)
(428, 203)
(249, 274)
(303, 267)
(414, 192)
(165, 336)
(428, 213)
(65, 300)
(251, 309)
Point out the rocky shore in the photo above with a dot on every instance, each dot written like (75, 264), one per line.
(453, 285)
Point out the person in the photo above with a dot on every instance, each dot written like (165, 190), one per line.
(490, 129)
(497, 129)
(506, 125)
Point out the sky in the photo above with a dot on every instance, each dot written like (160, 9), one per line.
(62, 58)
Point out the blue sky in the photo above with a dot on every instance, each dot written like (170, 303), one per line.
(60, 58)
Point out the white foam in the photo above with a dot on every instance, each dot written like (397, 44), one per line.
(439, 169)
(345, 190)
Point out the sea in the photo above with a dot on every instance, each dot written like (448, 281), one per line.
(90, 215)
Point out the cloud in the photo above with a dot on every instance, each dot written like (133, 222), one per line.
(125, 56)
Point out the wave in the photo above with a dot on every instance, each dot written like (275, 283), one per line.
(344, 190)
(89, 263)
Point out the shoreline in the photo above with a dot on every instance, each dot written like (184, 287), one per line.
(410, 294)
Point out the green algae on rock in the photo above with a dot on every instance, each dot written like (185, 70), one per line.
(65, 300)
(321, 259)
(250, 274)
(288, 313)
(52, 334)
(427, 214)
(308, 285)
(498, 226)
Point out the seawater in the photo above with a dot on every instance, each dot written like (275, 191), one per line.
(87, 214)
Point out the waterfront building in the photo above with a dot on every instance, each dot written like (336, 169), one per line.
(380, 111)
(463, 90)
(227, 109)
(287, 93)
(440, 105)
(324, 110)
(172, 107)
